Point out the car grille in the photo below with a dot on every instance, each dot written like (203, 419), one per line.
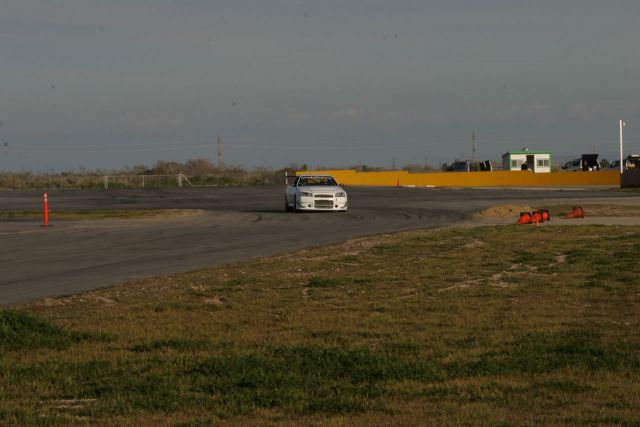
(323, 203)
(323, 196)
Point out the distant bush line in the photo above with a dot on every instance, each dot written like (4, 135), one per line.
(164, 174)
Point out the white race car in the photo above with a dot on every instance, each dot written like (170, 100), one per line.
(315, 193)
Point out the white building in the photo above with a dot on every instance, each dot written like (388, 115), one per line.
(536, 161)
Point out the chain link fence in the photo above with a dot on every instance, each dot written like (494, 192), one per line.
(30, 181)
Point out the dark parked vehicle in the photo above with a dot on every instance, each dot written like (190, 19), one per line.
(586, 163)
(632, 161)
(471, 166)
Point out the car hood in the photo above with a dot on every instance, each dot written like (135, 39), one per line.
(321, 189)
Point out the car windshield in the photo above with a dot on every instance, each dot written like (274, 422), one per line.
(305, 181)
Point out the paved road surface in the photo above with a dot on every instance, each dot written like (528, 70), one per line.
(234, 224)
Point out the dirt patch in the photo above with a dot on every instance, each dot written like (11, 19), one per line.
(71, 403)
(52, 302)
(475, 243)
(502, 211)
(106, 301)
(594, 214)
(215, 300)
(463, 285)
(497, 280)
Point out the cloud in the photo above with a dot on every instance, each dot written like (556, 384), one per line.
(352, 113)
(583, 112)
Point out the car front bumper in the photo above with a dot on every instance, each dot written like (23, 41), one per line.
(311, 204)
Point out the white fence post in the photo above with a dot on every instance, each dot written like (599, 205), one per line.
(180, 180)
(106, 182)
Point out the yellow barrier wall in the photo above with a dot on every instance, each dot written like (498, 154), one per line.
(474, 179)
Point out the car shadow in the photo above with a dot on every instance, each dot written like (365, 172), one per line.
(283, 212)
(265, 211)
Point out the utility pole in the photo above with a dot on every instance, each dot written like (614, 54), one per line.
(473, 145)
(622, 124)
(219, 153)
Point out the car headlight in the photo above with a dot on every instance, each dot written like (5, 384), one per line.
(305, 194)
(341, 194)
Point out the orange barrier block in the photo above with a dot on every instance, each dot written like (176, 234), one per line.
(474, 179)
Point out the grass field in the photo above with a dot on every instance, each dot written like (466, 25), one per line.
(487, 326)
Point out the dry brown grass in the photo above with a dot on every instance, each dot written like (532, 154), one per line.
(592, 210)
(488, 326)
(600, 210)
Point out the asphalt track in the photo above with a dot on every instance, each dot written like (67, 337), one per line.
(232, 224)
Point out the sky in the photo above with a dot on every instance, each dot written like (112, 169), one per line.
(106, 84)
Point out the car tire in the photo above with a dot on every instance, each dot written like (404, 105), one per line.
(287, 208)
(295, 204)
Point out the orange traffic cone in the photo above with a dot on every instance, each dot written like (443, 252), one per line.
(546, 216)
(398, 183)
(525, 218)
(577, 212)
(536, 217)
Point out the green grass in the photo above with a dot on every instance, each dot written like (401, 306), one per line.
(325, 282)
(20, 330)
(173, 344)
(491, 326)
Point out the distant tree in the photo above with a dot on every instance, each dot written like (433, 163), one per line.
(365, 168)
(604, 163)
(290, 170)
(136, 170)
(412, 167)
(417, 167)
(164, 167)
(199, 167)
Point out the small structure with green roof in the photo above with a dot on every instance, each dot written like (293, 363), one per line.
(535, 161)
